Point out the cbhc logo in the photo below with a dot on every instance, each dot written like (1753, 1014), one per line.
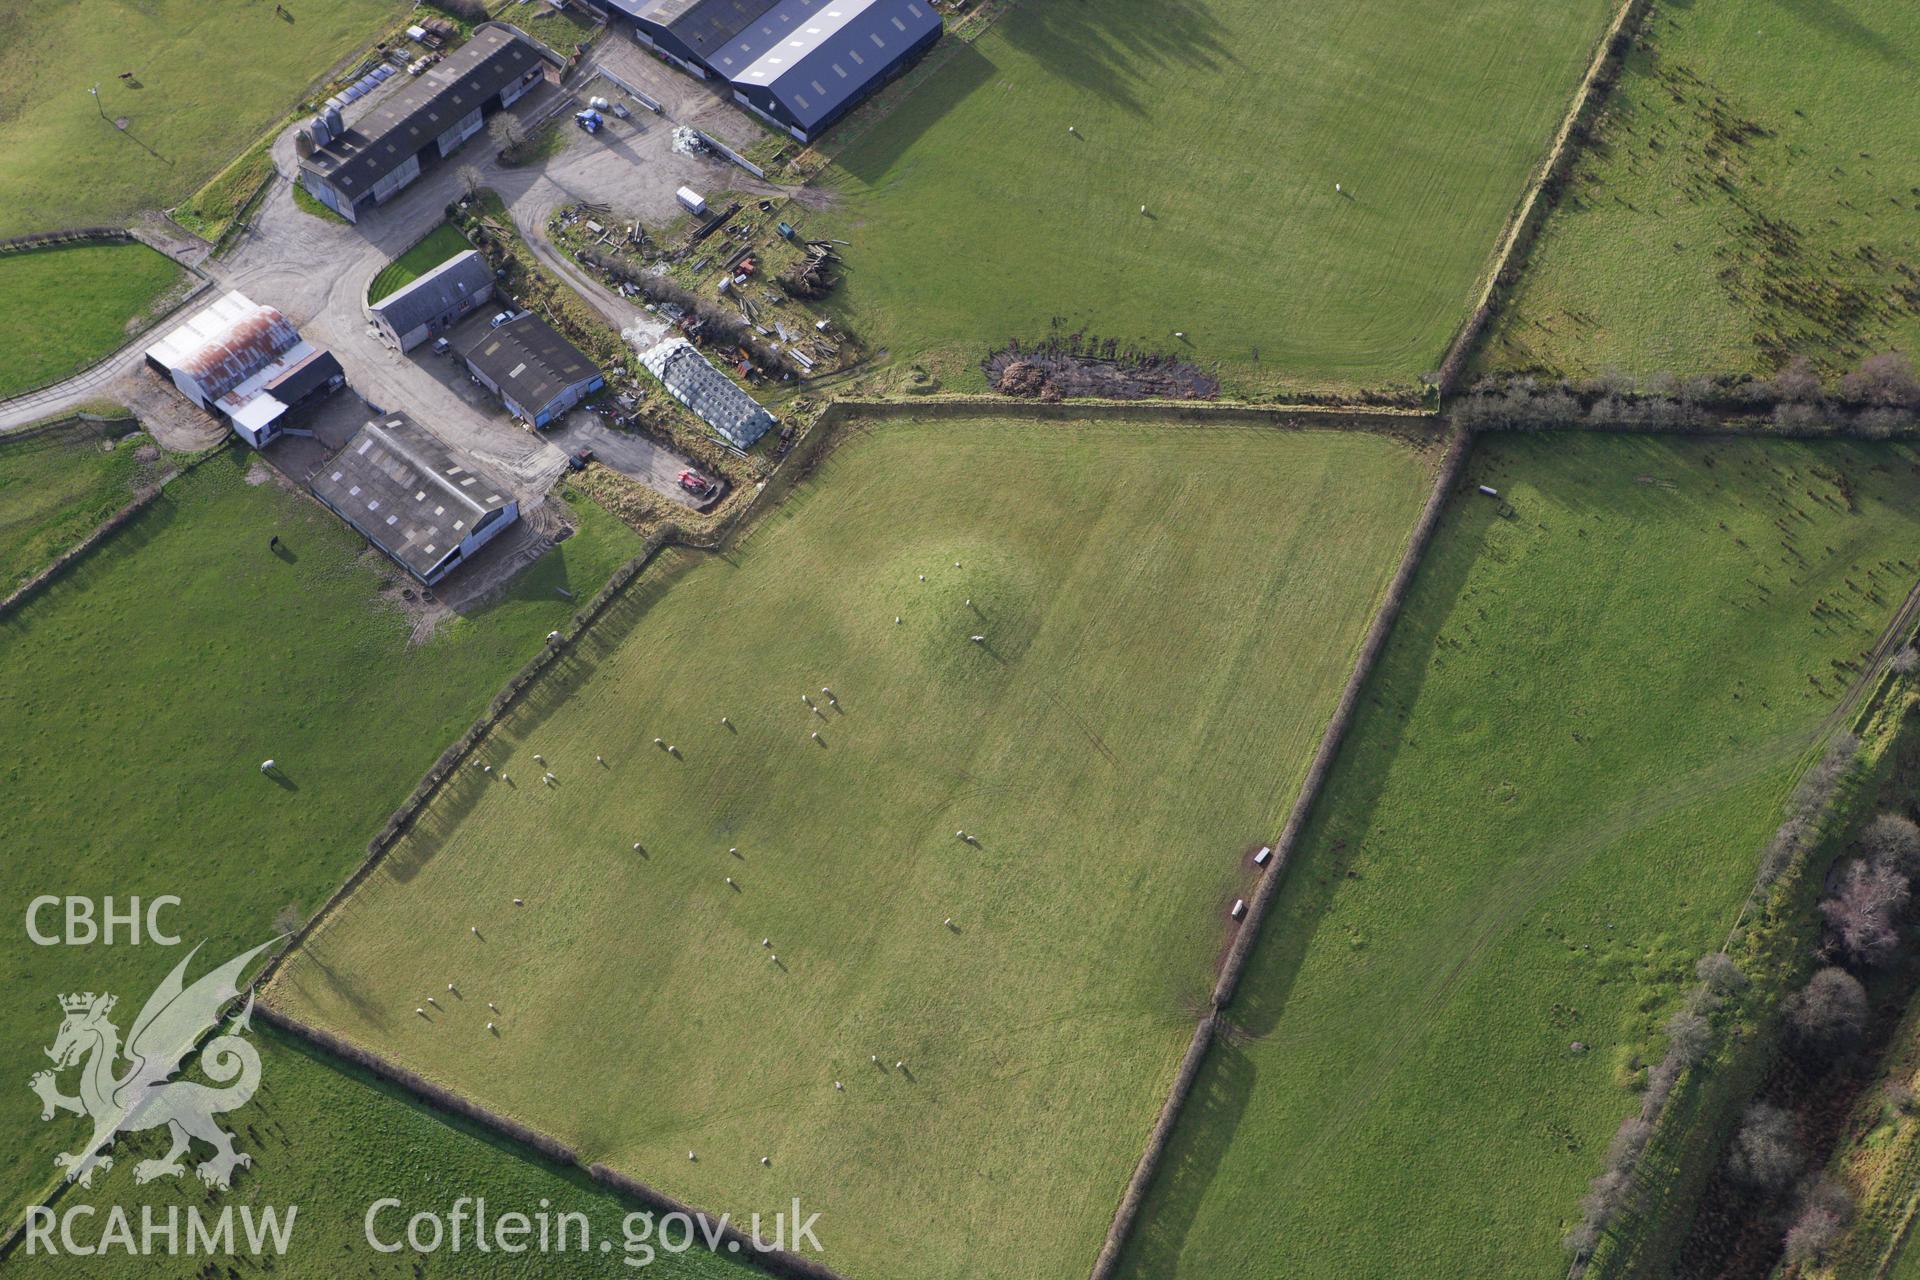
(84, 926)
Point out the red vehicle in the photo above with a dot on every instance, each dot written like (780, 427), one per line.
(698, 485)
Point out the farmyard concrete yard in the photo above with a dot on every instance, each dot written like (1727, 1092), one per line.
(1168, 612)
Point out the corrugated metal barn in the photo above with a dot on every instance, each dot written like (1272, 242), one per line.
(801, 64)
(246, 365)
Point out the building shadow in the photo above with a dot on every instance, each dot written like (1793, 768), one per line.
(1108, 50)
(961, 68)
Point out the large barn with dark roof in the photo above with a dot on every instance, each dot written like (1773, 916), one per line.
(383, 150)
(535, 371)
(412, 496)
(801, 64)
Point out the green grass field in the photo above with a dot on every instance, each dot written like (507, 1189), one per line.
(1169, 615)
(331, 1142)
(975, 217)
(206, 80)
(145, 685)
(56, 487)
(441, 243)
(1752, 197)
(61, 309)
(1552, 803)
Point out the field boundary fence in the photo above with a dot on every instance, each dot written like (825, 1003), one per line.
(1459, 445)
(200, 286)
(1525, 221)
(732, 1241)
(100, 532)
(66, 236)
(1315, 417)
(450, 760)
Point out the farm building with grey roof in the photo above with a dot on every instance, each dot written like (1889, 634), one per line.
(435, 302)
(409, 494)
(538, 373)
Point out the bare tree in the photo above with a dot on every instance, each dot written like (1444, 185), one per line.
(1886, 379)
(1906, 662)
(470, 179)
(1825, 1210)
(1766, 1150)
(1689, 1036)
(1798, 381)
(1883, 423)
(1831, 1009)
(505, 130)
(1893, 840)
(1719, 974)
(1865, 909)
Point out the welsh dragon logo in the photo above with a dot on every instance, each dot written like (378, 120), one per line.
(143, 1095)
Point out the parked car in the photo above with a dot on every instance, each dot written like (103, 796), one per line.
(441, 346)
(499, 318)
